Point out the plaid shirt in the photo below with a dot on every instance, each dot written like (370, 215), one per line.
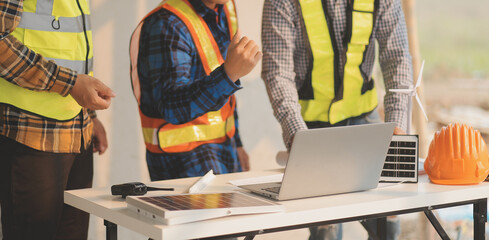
(23, 67)
(175, 87)
(286, 60)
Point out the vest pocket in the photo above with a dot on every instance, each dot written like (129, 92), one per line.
(42, 43)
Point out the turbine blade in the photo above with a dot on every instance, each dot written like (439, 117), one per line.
(421, 106)
(418, 83)
(406, 91)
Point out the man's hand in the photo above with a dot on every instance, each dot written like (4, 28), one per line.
(243, 159)
(398, 131)
(91, 93)
(99, 137)
(242, 56)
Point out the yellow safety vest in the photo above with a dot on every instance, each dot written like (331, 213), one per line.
(355, 94)
(59, 31)
(212, 127)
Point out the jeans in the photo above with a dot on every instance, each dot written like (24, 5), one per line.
(326, 232)
(31, 192)
(335, 231)
(393, 227)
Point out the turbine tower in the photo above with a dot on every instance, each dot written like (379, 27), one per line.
(411, 92)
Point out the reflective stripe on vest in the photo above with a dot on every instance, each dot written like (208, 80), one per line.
(53, 29)
(355, 100)
(212, 127)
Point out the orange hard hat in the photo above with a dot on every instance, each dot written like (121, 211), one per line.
(457, 155)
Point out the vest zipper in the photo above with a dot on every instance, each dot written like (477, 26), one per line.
(86, 36)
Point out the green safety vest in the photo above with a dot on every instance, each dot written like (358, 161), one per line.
(59, 31)
(331, 99)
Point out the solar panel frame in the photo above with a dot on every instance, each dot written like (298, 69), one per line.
(181, 208)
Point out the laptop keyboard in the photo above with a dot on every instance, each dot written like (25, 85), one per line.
(272, 189)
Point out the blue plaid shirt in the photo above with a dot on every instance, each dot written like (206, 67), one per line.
(175, 87)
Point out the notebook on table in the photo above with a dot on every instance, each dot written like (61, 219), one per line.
(329, 161)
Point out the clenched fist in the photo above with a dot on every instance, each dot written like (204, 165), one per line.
(91, 93)
(242, 56)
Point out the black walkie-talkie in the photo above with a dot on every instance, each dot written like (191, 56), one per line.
(134, 189)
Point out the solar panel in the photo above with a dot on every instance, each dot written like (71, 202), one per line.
(182, 208)
(401, 162)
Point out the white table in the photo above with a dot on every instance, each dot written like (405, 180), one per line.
(378, 203)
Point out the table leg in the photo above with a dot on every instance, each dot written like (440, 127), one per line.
(480, 219)
(111, 230)
(436, 224)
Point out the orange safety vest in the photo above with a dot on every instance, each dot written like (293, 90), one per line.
(161, 136)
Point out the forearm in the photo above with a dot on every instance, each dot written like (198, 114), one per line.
(396, 104)
(184, 103)
(284, 99)
(395, 62)
(278, 39)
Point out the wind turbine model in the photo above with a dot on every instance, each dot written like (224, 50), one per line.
(411, 92)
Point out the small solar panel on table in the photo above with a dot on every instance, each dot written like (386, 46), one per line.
(192, 207)
(401, 162)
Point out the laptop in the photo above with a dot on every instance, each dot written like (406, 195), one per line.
(330, 161)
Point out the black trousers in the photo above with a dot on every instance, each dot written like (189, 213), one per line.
(31, 192)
